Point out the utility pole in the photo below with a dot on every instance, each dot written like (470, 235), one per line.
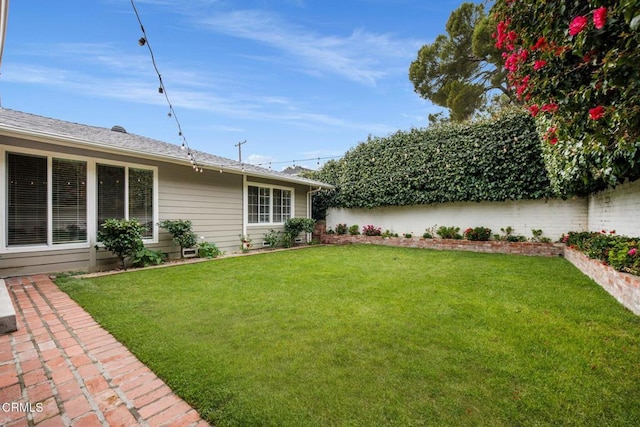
(239, 145)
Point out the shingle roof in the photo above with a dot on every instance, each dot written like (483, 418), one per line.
(128, 143)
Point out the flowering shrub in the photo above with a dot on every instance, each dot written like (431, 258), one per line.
(576, 66)
(625, 256)
(370, 230)
(478, 233)
(621, 252)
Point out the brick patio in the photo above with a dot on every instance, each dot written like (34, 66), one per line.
(63, 369)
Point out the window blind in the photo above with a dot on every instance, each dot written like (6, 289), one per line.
(27, 200)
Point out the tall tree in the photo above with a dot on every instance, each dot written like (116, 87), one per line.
(458, 70)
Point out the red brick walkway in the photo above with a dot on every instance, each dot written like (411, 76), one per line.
(62, 369)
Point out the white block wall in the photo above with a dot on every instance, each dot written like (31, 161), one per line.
(616, 209)
(553, 217)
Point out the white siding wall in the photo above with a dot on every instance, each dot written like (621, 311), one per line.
(553, 217)
(616, 209)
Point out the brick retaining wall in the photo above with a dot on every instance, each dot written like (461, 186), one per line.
(622, 286)
(519, 248)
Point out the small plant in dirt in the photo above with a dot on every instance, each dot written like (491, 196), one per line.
(208, 250)
(508, 236)
(272, 238)
(481, 234)
(408, 235)
(342, 229)
(388, 233)
(538, 238)
(429, 232)
(370, 230)
(449, 232)
(123, 237)
(181, 231)
(354, 230)
(145, 257)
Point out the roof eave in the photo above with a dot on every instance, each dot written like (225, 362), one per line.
(66, 140)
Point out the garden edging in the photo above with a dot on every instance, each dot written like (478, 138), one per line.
(491, 246)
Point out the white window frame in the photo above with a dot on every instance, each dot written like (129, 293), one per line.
(271, 187)
(92, 199)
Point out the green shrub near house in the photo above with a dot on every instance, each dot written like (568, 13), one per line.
(181, 231)
(123, 237)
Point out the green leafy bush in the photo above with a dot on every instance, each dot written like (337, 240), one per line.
(388, 233)
(208, 250)
(145, 257)
(449, 232)
(122, 237)
(342, 229)
(272, 238)
(354, 230)
(295, 226)
(181, 231)
(478, 234)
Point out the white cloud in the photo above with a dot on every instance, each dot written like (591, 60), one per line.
(361, 56)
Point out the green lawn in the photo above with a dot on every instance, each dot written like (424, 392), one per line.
(369, 335)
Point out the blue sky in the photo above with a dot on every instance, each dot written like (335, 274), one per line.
(296, 79)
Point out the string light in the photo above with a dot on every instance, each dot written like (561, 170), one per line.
(144, 41)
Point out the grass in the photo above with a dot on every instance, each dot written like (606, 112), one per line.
(366, 335)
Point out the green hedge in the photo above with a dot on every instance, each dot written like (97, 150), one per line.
(491, 160)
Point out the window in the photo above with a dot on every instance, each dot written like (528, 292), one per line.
(141, 198)
(69, 201)
(281, 205)
(268, 205)
(27, 200)
(113, 192)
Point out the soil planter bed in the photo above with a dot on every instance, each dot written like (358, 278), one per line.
(516, 248)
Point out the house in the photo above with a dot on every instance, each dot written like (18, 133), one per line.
(61, 180)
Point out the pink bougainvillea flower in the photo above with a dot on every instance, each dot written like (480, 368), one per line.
(550, 108)
(540, 44)
(551, 136)
(596, 113)
(632, 252)
(534, 110)
(600, 17)
(539, 64)
(577, 25)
